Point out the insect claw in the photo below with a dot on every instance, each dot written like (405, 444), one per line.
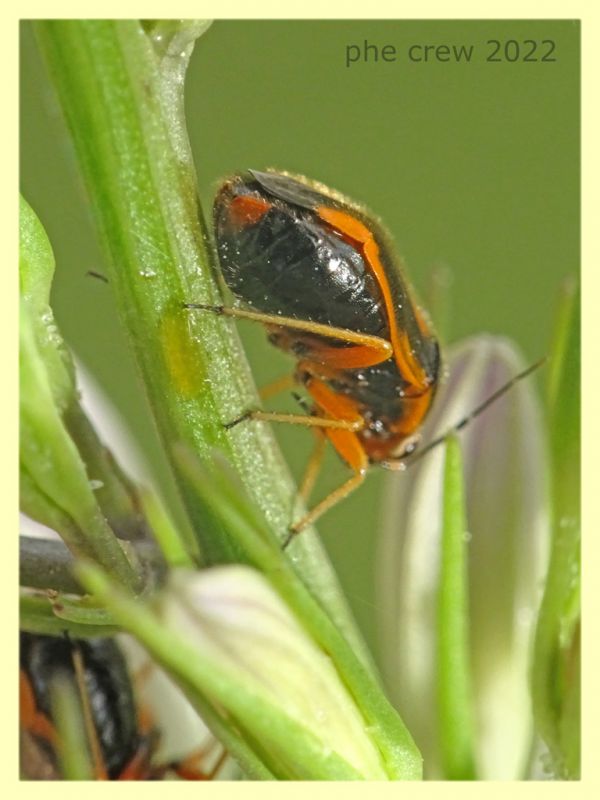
(302, 403)
(204, 307)
(290, 535)
(242, 418)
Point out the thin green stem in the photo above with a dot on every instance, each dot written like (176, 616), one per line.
(555, 676)
(164, 531)
(123, 99)
(72, 742)
(37, 616)
(115, 493)
(454, 690)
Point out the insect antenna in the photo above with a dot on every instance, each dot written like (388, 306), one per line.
(86, 707)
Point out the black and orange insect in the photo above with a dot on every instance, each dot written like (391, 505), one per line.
(322, 275)
(122, 740)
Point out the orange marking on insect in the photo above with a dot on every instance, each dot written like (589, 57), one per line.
(416, 411)
(337, 406)
(33, 720)
(353, 228)
(352, 357)
(349, 447)
(246, 210)
(335, 358)
(365, 410)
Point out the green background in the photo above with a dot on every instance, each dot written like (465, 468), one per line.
(474, 167)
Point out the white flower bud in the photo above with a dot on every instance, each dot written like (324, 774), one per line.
(241, 627)
(508, 534)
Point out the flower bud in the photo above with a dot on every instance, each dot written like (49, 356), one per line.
(508, 532)
(243, 631)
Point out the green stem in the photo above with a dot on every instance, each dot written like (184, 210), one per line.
(555, 675)
(123, 99)
(54, 483)
(116, 494)
(164, 531)
(46, 564)
(37, 616)
(455, 703)
(72, 741)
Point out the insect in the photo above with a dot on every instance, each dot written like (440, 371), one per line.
(121, 738)
(322, 275)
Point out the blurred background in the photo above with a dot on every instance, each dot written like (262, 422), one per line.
(474, 167)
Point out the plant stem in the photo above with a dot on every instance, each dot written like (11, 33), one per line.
(123, 100)
(48, 564)
(455, 706)
(555, 675)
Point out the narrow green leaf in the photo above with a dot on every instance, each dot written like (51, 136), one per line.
(53, 465)
(115, 493)
(36, 259)
(37, 616)
(455, 704)
(555, 677)
(82, 611)
(72, 740)
(164, 531)
(36, 270)
(38, 505)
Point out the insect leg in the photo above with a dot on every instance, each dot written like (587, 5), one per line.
(277, 386)
(312, 468)
(298, 419)
(331, 500)
(371, 349)
(347, 445)
(88, 717)
(339, 411)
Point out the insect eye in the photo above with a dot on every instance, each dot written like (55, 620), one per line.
(410, 446)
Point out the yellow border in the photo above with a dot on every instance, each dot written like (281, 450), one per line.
(589, 13)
